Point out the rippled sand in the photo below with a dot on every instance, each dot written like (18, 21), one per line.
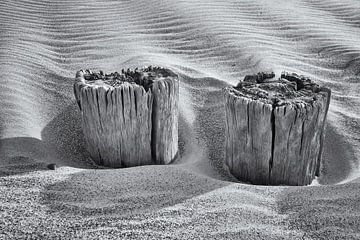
(210, 44)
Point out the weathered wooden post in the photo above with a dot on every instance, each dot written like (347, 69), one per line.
(129, 118)
(274, 129)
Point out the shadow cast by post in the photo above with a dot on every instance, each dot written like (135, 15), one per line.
(64, 136)
(336, 158)
(62, 144)
(21, 155)
(123, 193)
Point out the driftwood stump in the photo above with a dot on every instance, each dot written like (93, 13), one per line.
(129, 118)
(275, 129)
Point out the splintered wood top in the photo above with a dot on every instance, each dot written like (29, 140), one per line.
(142, 77)
(288, 89)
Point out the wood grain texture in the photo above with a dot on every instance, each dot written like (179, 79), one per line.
(165, 120)
(126, 125)
(248, 138)
(271, 143)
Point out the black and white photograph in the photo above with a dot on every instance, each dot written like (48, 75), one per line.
(179, 119)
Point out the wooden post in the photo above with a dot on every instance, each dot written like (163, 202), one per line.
(118, 113)
(275, 128)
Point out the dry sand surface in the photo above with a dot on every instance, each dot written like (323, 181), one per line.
(210, 44)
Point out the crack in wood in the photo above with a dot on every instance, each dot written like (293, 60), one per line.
(272, 120)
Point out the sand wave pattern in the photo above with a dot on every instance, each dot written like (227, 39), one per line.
(210, 44)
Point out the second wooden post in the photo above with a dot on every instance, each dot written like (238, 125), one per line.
(274, 129)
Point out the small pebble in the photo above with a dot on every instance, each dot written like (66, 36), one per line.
(51, 166)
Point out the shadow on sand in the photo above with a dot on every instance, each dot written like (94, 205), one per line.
(124, 193)
(65, 138)
(62, 143)
(22, 155)
(338, 156)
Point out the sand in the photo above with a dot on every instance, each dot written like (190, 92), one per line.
(210, 44)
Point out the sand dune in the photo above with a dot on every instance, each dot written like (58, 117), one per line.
(210, 44)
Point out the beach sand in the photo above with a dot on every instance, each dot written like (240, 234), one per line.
(209, 44)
